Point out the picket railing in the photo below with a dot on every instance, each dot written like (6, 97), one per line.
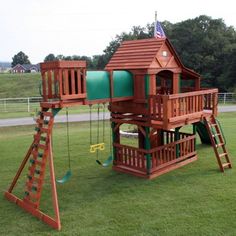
(172, 107)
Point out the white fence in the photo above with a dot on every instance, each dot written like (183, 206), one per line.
(227, 98)
(30, 104)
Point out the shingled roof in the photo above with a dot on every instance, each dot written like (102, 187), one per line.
(146, 54)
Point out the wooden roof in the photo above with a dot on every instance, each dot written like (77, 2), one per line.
(153, 53)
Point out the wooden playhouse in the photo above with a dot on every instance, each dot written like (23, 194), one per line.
(147, 86)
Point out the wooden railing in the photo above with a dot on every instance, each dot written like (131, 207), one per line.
(130, 157)
(172, 152)
(160, 157)
(169, 108)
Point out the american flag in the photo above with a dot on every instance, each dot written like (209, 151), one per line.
(158, 31)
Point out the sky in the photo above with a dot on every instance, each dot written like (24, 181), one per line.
(85, 27)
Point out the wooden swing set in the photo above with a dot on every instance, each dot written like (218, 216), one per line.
(146, 85)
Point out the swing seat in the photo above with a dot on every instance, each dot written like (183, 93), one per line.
(98, 146)
(106, 163)
(65, 178)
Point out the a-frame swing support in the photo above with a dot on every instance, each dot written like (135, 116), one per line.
(39, 153)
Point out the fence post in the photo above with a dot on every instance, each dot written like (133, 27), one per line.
(224, 97)
(28, 104)
(5, 105)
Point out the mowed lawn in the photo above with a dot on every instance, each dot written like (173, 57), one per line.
(194, 200)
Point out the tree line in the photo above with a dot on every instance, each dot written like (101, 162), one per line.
(205, 45)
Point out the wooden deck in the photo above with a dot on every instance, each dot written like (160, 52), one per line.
(170, 111)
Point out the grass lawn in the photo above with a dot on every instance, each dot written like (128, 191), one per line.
(194, 200)
(19, 85)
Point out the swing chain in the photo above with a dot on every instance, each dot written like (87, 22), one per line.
(68, 138)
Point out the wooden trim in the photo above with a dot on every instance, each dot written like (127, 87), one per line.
(35, 212)
(53, 186)
(62, 64)
(186, 117)
(172, 167)
(21, 168)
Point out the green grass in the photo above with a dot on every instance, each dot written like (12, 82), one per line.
(19, 85)
(194, 200)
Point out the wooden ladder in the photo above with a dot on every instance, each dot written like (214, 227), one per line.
(39, 153)
(38, 158)
(218, 142)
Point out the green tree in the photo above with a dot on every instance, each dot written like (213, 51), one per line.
(137, 32)
(20, 58)
(204, 44)
(50, 57)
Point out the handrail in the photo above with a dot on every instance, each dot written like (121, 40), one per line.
(221, 130)
(165, 107)
(189, 94)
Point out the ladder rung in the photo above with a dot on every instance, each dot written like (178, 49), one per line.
(29, 186)
(46, 113)
(32, 195)
(41, 121)
(227, 164)
(40, 154)
(44, 130)
(219, 145)
(35, 162)
(222, 154)
(41, 146)
(213, 124)
(215, 135)
(34, 179)
(43, 138)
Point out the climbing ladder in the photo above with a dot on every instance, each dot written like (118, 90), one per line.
(218, 143)
(37, 156)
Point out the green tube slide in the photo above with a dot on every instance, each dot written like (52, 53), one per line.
(202, 132)
(98, 85)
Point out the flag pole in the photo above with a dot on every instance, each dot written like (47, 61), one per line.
(155, 24)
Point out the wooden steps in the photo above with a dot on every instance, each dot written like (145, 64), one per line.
(218, 143)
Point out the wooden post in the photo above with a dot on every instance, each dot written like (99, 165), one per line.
(148, 147)
(152, 84)
(215, 102)
(175, 83)
(194, 132)
(197, 84)
(166, 110)
(177, 137)
(115, 139)
(53, 187)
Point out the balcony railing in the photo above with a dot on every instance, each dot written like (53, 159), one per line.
(160, 157)
(174, 107)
